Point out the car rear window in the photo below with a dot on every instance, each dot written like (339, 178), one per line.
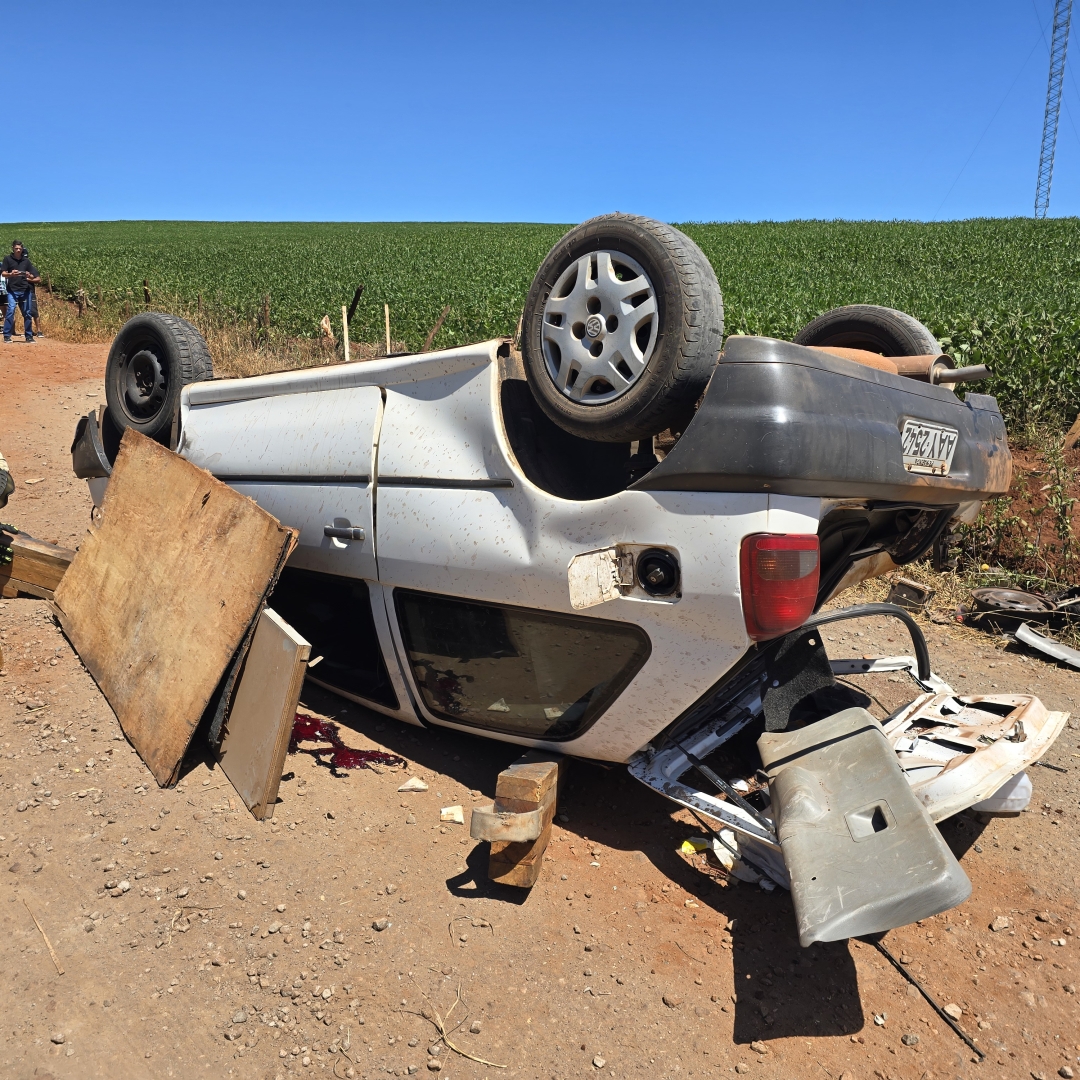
(514, 670)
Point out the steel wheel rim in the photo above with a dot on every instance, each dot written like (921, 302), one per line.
(143, 384)
(599, 327)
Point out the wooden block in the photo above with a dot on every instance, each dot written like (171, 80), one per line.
(529, 778)
(160, 596)
(518, 864)
(260, 723)
(529, 784)
(36, 568)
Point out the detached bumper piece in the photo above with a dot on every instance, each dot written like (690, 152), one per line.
(862, 852)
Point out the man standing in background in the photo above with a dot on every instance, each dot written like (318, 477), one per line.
(21, 275)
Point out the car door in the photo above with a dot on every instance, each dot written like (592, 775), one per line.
(307, 459)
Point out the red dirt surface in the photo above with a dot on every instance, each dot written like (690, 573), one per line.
(249, 949)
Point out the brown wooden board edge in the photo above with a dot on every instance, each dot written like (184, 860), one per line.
(12, 587)
(225, 690)
(266, 808)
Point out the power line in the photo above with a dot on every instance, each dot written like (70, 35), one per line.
(979, 142)
(1059, 43)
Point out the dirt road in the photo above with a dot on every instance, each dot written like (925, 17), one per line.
(196, 941)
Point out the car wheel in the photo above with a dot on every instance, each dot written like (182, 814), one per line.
(876, 329)
(153, 357)
(622, 328)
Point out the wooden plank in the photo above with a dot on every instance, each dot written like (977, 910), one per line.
(260, 723)
(12, 587)
(518, 864)
(36, 568)
(160, 595)
(531, 783)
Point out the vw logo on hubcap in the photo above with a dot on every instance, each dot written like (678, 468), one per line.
(594, 326)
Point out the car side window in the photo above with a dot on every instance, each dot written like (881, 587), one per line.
(514, 670)
(334, 614)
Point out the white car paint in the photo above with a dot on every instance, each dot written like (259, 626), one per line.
(413, 450)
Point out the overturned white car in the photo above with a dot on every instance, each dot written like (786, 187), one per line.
(618, 548)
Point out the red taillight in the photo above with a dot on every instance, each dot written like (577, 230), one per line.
(779, 582)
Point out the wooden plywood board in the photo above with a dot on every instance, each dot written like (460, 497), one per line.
(162, 593)
(256, 737)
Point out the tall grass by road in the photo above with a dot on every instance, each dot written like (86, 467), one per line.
(1005, 292)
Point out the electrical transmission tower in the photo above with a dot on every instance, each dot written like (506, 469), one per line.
(1059, 42)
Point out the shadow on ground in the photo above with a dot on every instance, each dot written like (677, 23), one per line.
(782, 990)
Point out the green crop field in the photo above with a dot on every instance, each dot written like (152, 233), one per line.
(1004, 292)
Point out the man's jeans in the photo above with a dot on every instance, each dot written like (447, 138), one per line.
(20, 300)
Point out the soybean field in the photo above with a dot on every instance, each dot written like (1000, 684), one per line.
(1005, 292)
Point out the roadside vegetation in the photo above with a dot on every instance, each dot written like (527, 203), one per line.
(1004, 292)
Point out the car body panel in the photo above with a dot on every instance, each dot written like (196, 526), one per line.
(415, 451)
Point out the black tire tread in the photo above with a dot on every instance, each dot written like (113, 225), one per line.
(896, 332)
(672, 400)
(195, 365)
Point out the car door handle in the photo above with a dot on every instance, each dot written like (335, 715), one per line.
(342, 534)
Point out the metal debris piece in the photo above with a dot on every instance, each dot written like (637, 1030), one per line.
(876, 942)
(1043, 644)
(912, 595)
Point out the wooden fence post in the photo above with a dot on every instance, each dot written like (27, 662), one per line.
(436, 328)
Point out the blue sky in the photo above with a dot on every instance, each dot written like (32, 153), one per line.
(540, 111)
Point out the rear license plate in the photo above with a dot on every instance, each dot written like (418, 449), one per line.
(928, 448)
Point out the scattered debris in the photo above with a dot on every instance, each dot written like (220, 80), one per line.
(41, 930)
(909, 594)
(1003, 610)
(1047, 645)
(454, 814)
(414, 783)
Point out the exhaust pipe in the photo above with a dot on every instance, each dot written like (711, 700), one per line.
(973, 373)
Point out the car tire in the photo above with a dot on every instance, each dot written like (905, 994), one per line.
(622, 328)
(153, 357)
(879, 330)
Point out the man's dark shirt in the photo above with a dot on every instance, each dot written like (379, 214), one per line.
(17, 282)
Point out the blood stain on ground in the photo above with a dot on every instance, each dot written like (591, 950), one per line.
(312, 729)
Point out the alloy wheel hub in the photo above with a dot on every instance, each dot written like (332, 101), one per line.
(599, 327)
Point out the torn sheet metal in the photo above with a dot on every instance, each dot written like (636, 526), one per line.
(1049, 647)
(957, 751)
(866, 665)
(663, 770)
